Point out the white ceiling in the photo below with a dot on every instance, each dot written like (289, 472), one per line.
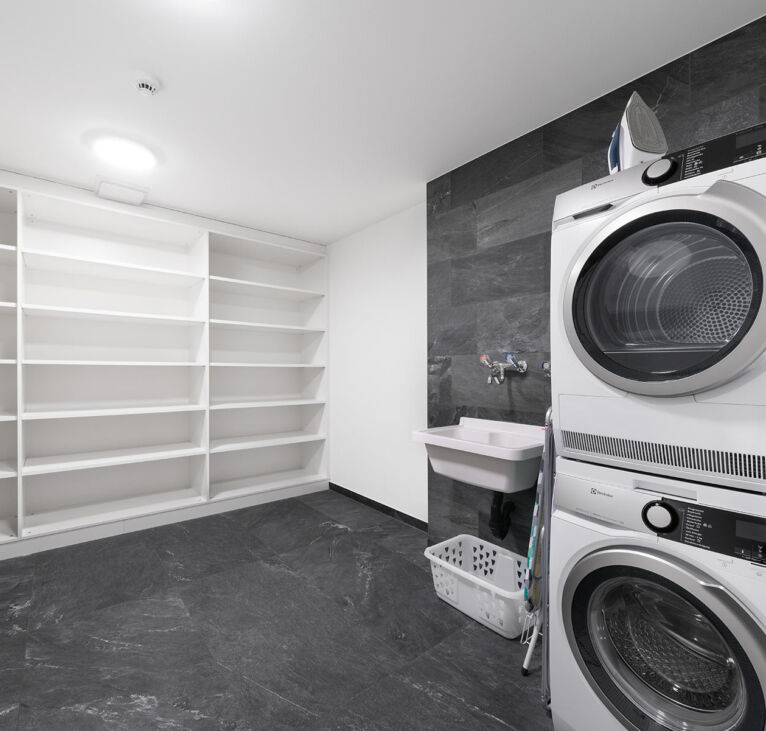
(314, 118)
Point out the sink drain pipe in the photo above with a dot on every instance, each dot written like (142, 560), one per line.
(500, 515)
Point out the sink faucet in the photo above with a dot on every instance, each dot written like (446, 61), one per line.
(512, 363)
(497, 369)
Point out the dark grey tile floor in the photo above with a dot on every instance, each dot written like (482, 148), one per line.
(311, 613)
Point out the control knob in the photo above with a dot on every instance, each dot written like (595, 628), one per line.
(660, 517)
(659, 171)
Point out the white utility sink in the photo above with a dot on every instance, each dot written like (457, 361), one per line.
(498, 455)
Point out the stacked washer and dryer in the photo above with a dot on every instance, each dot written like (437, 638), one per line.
(658, 534)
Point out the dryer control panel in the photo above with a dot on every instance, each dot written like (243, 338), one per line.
(732, 534)
(723, 152)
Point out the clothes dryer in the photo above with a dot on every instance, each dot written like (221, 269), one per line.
(658, 315)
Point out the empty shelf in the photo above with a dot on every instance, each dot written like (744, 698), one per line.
(268, 365)
(260, 289)
(79, 413)
(7, 417)
(8, 529)
(75, 312)
(254, 249)
(55, 521)
(89, 460)
(7, 469)
(66, 264)
(7, 361)
(257, 441)
(143, 363)
(264, 404)
(262, 483)
(266, 327)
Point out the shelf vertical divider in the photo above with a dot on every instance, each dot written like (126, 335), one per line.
(20, 511)
(205, 348)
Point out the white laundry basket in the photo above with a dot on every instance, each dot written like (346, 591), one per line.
(482, 580)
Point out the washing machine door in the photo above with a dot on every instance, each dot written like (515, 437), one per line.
(667, 299)
(663, 645)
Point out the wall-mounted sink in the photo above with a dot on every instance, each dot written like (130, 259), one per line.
(497, 455)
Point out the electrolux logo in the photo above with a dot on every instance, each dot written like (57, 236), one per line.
(603, 182)
(594, 491)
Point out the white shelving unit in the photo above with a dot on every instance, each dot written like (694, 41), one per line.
(125, 338)
(268, 382)
(9, 479)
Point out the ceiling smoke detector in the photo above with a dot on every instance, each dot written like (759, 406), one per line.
(147, 85)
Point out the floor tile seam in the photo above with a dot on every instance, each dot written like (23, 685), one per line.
(433, 648)
(360, 621)
(397, 673)
(199, 624)
(383, 516)
(395, 676)
(265, 688)
(345, 609)
(369, 625)
(164, 593)
(515, 683)
(314, 585)
(444, 690)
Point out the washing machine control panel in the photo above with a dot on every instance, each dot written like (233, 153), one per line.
(722, 531)
(734, 149)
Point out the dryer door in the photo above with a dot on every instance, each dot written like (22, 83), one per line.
(664, 646)
(667, 299)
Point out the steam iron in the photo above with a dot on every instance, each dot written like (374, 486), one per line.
(638, 137)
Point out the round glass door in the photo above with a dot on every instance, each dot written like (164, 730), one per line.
(661, 657)
(667, 297)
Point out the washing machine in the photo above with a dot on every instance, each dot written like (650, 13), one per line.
(657, 604)
(658, 318)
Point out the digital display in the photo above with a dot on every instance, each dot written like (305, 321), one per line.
(751, 531)
(752, 137)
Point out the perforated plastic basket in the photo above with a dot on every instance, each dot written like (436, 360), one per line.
(482, 580)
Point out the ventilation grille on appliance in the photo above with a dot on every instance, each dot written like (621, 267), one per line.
(734, 464)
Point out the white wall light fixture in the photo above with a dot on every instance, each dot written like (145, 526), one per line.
(124, 153)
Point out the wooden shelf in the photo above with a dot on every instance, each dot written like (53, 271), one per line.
(90, 460)
(81, 413)
(259, 441)
(67, 264)
(116, 510)
(268, 365)
(262, 483)
(264, 404)
(267, 327)
(75, 312)
(261, 289)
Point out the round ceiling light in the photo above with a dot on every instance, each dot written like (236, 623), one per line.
(124, 153)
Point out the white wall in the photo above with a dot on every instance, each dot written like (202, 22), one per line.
(378, 362)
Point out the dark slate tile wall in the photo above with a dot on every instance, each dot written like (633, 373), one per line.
(488, 247)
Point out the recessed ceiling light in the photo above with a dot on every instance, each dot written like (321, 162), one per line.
(124, 153)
